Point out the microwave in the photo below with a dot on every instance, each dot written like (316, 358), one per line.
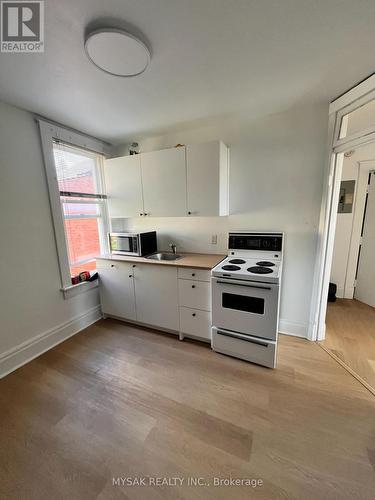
(136, 244)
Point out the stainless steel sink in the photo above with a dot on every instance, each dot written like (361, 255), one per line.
(164, 256)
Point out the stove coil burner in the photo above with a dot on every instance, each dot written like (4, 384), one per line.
(237, 261)
(231, 268)
(265, 263)
(260, 270)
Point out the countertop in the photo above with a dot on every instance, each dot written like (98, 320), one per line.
(198, 260)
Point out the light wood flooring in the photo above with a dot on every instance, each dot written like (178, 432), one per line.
(350, 336)
(120, 401)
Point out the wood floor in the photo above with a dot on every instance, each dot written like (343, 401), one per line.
(350, 336)
(119, 401)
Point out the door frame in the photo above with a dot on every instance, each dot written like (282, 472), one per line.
(353, 99)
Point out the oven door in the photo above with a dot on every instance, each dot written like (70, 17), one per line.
(247, 307)
(123, 244)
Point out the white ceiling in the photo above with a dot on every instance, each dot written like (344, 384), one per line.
(210, 57)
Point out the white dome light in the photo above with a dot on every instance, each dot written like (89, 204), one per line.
(117, 52)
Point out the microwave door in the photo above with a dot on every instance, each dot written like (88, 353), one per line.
(126, 245)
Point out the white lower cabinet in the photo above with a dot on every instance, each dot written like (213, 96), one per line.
(194, 294)
(117, 289)
(157, 295)
(195, 322)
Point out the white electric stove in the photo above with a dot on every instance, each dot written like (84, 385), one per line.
(245, 297)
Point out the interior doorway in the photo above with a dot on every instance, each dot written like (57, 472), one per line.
(350, 318)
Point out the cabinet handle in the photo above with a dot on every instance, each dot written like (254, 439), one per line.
(193, 274)
(130, 275)
(194, 315)
(112, 265)
(189, 213)
(141, 215)
(192, 286)
(134, 265)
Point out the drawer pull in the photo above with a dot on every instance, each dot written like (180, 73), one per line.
(193, 274)
(243, 337)
(192, 286)
(193, 315)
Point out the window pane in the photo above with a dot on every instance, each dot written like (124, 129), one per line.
(89, 266)
(83, 239)
(359, 119)
(76, 170)
(75, 209)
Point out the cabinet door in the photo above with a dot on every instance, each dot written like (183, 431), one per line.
(207, 179)
(164, 182)
(156, 295)
(124, 186)
(117, 289)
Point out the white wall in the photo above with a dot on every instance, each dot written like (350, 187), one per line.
(31, 303)
(276, 180)
(348, 226)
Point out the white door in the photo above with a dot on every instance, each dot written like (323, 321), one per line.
(365, 287)
(124, 186)
(207, 179)
(164, 182)
(117, 289)
(157, 295)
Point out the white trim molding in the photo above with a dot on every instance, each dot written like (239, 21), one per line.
(49, 132)
(351, 100)
(294, 328)
(27, 351)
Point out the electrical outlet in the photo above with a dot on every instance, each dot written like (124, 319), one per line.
(214, 239)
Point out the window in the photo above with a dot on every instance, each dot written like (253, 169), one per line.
(74, 168)
(82, 202)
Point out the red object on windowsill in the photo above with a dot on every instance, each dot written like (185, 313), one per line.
(82, 276)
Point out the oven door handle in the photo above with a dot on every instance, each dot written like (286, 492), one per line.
(242, 284)
(242, 337)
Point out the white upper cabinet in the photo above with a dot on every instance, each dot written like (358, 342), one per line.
(164, 182)
(207, 179)
(124, 186)
(176, 182)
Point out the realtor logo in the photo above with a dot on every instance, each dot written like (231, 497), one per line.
(22, 26)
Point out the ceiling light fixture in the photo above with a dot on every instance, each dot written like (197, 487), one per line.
(117, 52)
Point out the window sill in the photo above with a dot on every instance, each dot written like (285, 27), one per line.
(84, 286)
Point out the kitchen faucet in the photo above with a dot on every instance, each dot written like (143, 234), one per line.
(173, 247)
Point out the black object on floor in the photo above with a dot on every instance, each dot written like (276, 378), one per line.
(332, 292)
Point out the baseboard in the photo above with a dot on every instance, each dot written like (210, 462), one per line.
(25, 352)
(293, 328)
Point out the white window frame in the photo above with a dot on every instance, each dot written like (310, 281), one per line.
(49, 133)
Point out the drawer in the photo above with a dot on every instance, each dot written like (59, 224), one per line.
(195, 294)
(191, 273)
(254, 349)
(196, 323)
(112, 264)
